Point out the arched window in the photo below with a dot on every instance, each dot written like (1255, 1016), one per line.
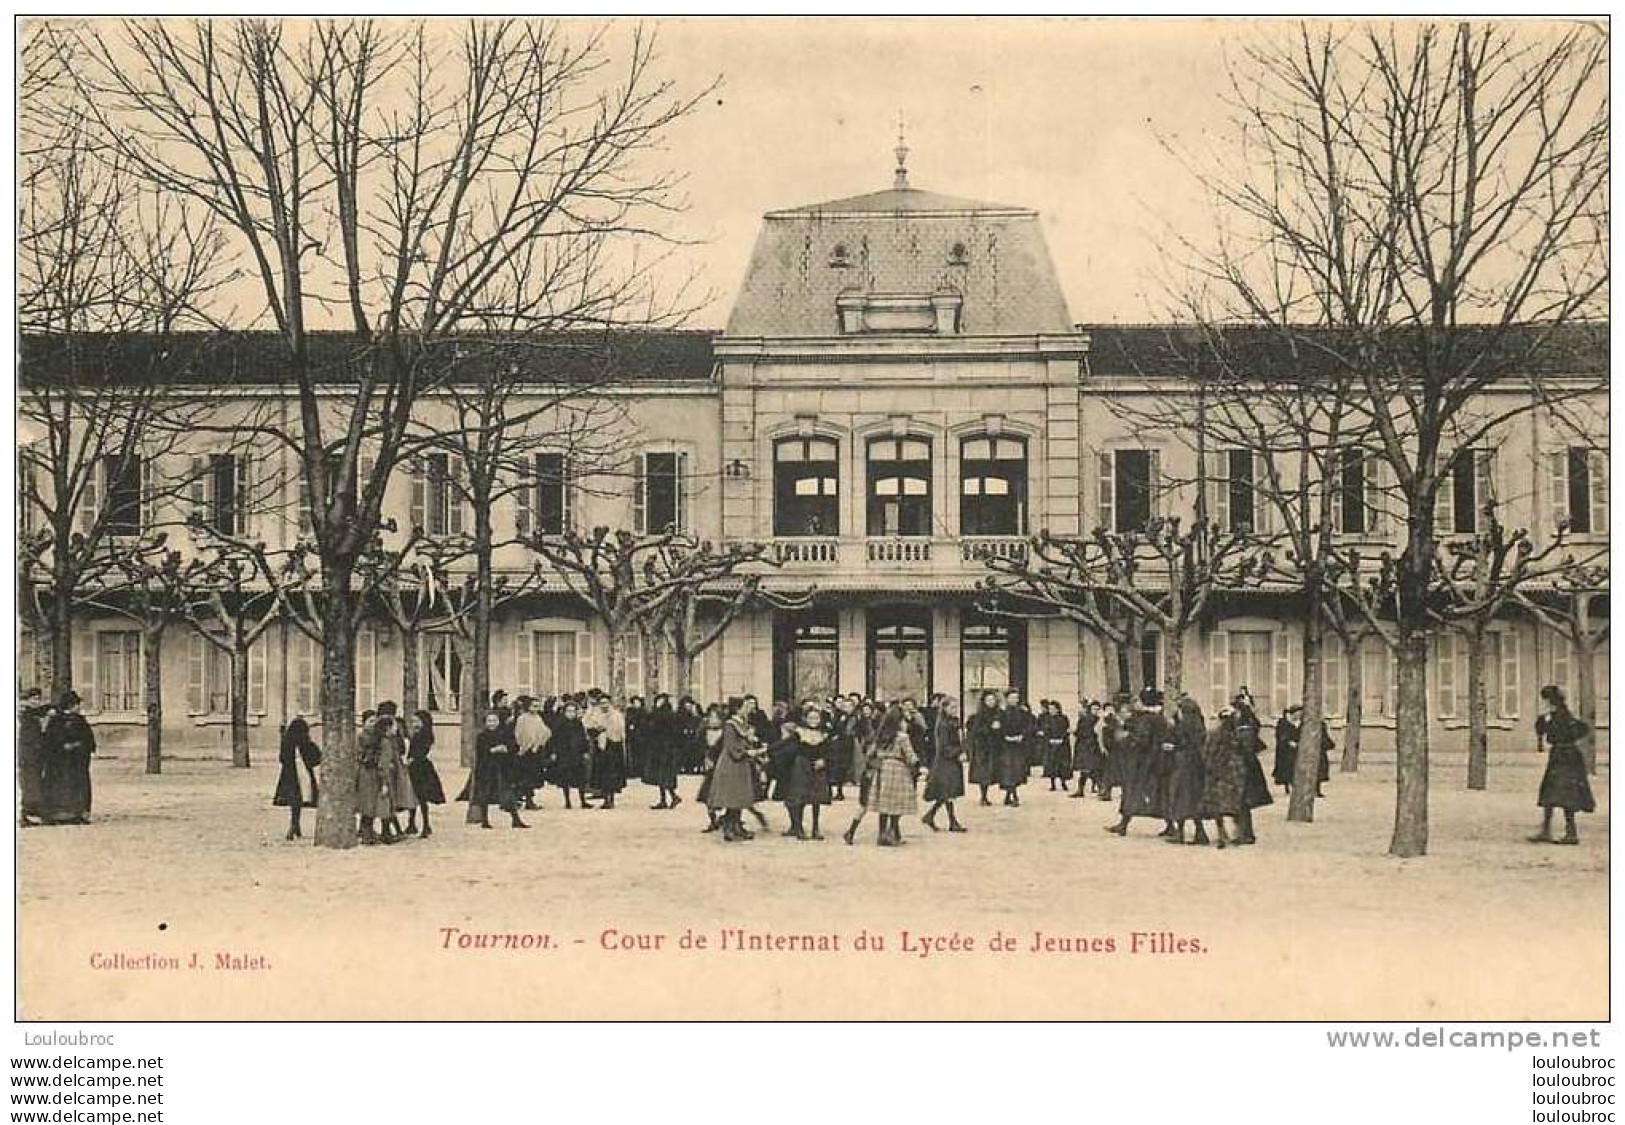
(993, 486)
(899, 486)
(806, 486)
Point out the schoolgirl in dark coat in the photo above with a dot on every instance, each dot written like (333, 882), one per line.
(661, 738)
(1185, 778)
(733, 785)
(68, 743)
(1056, 731)
(1113, 732)
(637, 746)
(945, 782)
(1086, 750)
(31, 759)
(296, 790)
(491, 782)
(568, 753)
(1224, 777)
(804, 782)
(838, 762)
(983, 732)
(1015, 725)
(1564, 785)
(1255, 787)
(425, 778)
(710, 749)
(690, 752)
(1147, 740)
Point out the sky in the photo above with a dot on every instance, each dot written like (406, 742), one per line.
(1067, 116)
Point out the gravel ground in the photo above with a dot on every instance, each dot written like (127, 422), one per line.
(1313, 923)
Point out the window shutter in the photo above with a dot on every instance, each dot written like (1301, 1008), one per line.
(256, 677)
(366, 670)
(632, 662)
(524, 495)
(584, 661)
(639, 498)
(567, 492)
(682, 492)
(1219, 667)
(365, 465)
(243, 471)
(1376, 517)
(456, 502)
(302, 491)
(1263, 496)
(1392, 700)
(1444, 504)
(1153, 480)
(1559, 478)
(1561, 663)
(1106, 490)
(90, 497)
(523, 650)
(1484, 477)
(85, 673)
(420, 496)
(1334, 481)
(194, 674)
(1599, 492)
(1333, 686)
(1511, 687)
(1218, 490)
(149, 494)
(1444, 674)
(1281, 646)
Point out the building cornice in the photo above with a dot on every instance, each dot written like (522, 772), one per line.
(902, 347)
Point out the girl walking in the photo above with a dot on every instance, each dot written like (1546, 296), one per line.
(1564, 785)
(425, 778)
(296, 789)
(945, 782)
(891, 793)
(1055, 730)
(733, 781)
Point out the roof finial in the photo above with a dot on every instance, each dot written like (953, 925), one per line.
(900, 180)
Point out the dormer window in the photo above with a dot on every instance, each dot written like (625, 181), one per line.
(838, 258)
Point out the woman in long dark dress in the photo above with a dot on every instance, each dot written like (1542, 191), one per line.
(1055, 730)
(709, 737)
(568, 752)
(1224, 777)
(1185, 778)
(1564, 785)
(69, 744)
(661, 738)
(1255, 793)
(733, 781)
(296, 790)
(945, 782)
(982, 736)
(804, 782)
(1147, 739)
(1016, 733)
(492, 782)
(1086, 749)
(31, 759)
(608, 731)
(425, 778)
(690, 752)
(1286, 747)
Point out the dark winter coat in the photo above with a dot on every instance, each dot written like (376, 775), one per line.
(982, 733)
(946, 779)
(805, 780)
(567, 753)
(1086, 747)
(296, 789)
(1056, 731)
(733, 781)
(31, 761)
(1564, 785)
(1144, 769)
(1016, 728)
(425, 778)
(1186, 775)
(69, 743)
(660, 739)
(1224, 772)
(491, 782)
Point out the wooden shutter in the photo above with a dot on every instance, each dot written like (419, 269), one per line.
(1106, 490)
(584, 661)
(1218, 489)
(302, 491)
(366, 669)
(90, 497)
(639, 494)
(567, 490)
(681, 461)
(1558, 478)
(1444, 503)
(243, 472)
(195, 671)
(1598, 462)
(456, 484)
(524, 495)
(1511, 677)
(149, 494)
(1375, 500)
(365, 465)
(420, 495)
(85, 670)
(256, 677)
(523, 651)
(1444, 675)
(1153, 481)
(1483, 478)
(1282, 646)
(197, 487)
(1218, 658)
(1333, 685)
(1561, 662)
(1263, 496)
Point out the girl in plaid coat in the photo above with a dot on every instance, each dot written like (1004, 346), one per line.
(892, 762)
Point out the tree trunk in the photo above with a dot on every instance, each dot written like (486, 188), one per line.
(335, 812)
(1133, 655)
(1353, 706)
(152, 673)
(239, 707)
(684, 671)
(477, 661)
(410, 692)
(617, 665)
(471, 705)
(61, 648)
(1411, 750)
(1585, 696)
(1173, 663)
(1306, 773)
(1478, 713)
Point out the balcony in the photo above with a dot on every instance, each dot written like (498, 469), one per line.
(807, 551)
(980, 548)
(899, 551)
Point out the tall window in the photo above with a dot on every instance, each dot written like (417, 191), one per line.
(208, 680)
(993, 657)
(1235, 504)
(899, 486)
(121, 476)
(544, 502)
(555, 668)
(118, 671)
(220, 492)
(1378, 686)
(660, 493)
(1505, 687)
(1128, 488)
(1464, 492)
(1579, 489)
(806, 655)
(993, 486)
(899, 653)
(1357, 505)
(443, 668)
(437, 494)
(806, 486)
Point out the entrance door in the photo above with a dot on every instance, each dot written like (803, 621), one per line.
(900, 653)
(993, 657)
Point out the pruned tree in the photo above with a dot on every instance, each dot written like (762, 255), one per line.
(1574, 607)
(1165, 577)
(1437, 195)
(420, 186)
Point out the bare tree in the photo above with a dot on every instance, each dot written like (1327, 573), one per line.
(1575, 608)
(1439, 196)
(419, 187)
